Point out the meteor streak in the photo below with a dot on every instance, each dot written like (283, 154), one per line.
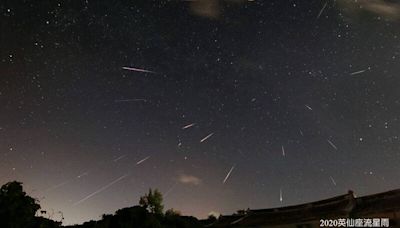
(322, 10)
(331, 143)
(82, 175)
(358, 72)
(99, 190)
(138, 70)
(130, 100)
(66, 182)
(143, 160)
(227, 175)
(205, 138)
(58, 185)
(170, 190)
(333, 180)
(188, 126)
(119, 158)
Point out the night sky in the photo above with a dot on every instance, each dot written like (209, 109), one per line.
(221, 105)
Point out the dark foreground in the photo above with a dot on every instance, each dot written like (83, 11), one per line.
(18, 210)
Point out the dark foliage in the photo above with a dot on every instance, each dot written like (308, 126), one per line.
(152, 201)
(148, 215)
(17, 209)
(138, 216)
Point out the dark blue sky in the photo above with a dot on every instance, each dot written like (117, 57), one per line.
(301, 99)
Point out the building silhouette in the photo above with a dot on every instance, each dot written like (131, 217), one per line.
(378, 210)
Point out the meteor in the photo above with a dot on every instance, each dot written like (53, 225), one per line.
(358, 72)
(129, 100)
(138, 70)
(58, 185)
(331, 143)
(82, 175)
(66, 182)
(333, 181)
(119, 158)
(188, 126)
(308, 107)
(205, 138)
(143, 160)
(99, 190)
(322, 10)
(227, 175)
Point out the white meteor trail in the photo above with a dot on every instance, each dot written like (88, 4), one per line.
(82, 174)
(283, 151)
(280, 195)
(66, 182)
(130, 100)
(170, 190)
(205, 138)
(322, 10)
(138, 70)
(333, 180)
(99, 190)
(188, 126)
(58, 185)
(358, 72)
(119, 158)
(331, 143)
(143, 160)
(227, 175)
(308, 107)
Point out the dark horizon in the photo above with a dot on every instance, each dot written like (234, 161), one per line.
(222, 105)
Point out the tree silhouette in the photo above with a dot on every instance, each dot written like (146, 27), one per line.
(152, 201)
(16, 208)
(212, 218)
(172, 212)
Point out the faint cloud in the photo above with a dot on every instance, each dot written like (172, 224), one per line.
(388, 9)
(205, 8)
(210, 8)
(214, 213)
(189, 179)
